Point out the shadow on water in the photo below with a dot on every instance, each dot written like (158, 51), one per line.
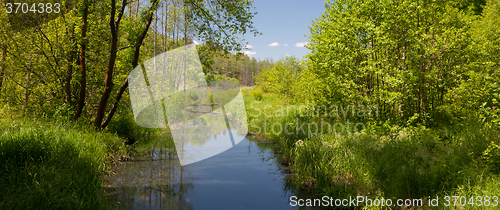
(246, 176)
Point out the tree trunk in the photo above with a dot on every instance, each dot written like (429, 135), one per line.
(137, 9)
(135, 61)
(83, 65)
(2, 67)
(108, 84)
(185, 43)
(26, 89)
(69, 73)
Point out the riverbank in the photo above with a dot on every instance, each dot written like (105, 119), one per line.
(380, 160)
(49, 164)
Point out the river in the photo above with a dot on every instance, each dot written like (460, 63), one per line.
(246, 176)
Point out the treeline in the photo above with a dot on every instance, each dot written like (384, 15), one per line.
(75, 63)
(420, 62)
(233, 65)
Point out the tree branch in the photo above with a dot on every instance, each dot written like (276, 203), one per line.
(129, 47)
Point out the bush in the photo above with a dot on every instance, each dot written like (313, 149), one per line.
(215, 77)
(257, 94)
(491, 156)
(281, 78)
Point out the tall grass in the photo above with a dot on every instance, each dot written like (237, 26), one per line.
(383, 160)
(124, 125)
(46, 164)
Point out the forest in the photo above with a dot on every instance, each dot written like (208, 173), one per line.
(397, 99)
(59, 65)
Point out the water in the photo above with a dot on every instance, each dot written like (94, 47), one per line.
(245, 176)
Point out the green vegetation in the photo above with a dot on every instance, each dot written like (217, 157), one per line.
(51, 164)
(79, 59)
(382, 160)
(215, 77)
(397, 99)
(68, 69)
(237, 67)
(257, 94)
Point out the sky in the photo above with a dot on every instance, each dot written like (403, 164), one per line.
(284, 26)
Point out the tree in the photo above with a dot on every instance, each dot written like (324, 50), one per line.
(148, 18)
(197, 13)
(38, 56)
(282, 77)
(403, 56)
(114, 27)
(83, 62)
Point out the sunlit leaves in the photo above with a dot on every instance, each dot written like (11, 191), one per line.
(221, 23)
(404, 56)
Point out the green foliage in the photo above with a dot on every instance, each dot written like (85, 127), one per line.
(481, 185)
(257, 94)
(407, 63)
(233, 65)
(492, 157)
(383, 160)
(486, 32)
(206, 57)
(282, 77)
(490, 109)
(48, 164)
(215, 77)
(193, 96)
(25, 20)
(124, 125)
(42, 56)
(307, 88)
(432, 66)
(222, 26)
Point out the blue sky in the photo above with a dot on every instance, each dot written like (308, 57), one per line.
(282, 22)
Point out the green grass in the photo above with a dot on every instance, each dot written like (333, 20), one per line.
(46, 164)
(383, 160)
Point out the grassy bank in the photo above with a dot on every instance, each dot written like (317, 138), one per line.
(381, 160)
(46, 164)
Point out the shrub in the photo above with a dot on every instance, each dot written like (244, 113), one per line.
(125, 126)
(257, 94)
(492, 157)
(215, 77)
(281, 77)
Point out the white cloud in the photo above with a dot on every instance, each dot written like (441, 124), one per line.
(274, 44)
(300, 44)
(249, 53)
(248, 46)
(286, 55)
(195, 42)
(285, 45)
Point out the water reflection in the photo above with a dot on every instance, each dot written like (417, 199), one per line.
(153, 180)
(243, 177)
